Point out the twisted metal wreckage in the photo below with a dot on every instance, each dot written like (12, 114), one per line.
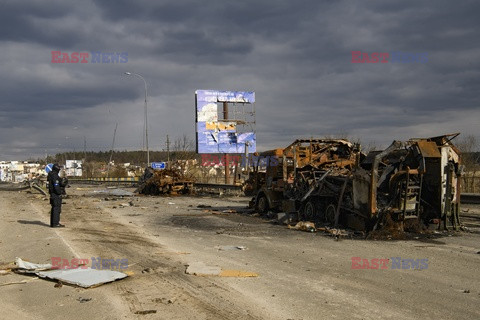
(326, 180)
(168, 181)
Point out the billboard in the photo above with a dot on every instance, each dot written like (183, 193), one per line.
(73, 168)
(216, 135)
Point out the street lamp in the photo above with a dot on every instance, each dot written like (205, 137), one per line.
(146, 119)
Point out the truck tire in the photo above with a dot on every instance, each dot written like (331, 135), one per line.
(309, 211)
(330, 212)
(262, 204)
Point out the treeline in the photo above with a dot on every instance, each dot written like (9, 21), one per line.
(133, 157)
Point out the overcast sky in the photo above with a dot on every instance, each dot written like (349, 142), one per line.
(296, 56)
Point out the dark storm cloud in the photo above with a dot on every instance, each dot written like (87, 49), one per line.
(25, 21)
(295, 55)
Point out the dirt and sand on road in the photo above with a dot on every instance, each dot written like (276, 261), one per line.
(301, 275)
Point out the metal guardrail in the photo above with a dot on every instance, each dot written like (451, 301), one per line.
(129, 179)
(137, 179)
(133, 180)
(217, 186)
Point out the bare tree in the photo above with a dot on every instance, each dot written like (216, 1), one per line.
(469, 146)
(183, 148)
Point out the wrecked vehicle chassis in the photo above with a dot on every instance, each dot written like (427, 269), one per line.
(412, 181)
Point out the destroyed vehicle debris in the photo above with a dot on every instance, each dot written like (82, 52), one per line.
(332, 182)
(304, 226)
(168, 181)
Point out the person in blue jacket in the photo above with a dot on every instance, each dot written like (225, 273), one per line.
(56, 190)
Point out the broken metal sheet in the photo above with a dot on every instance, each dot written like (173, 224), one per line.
(29, 267)
(84, 278)
(429, 149)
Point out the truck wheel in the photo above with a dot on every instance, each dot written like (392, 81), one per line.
(330, 213)
(262, 204)
(309, 213)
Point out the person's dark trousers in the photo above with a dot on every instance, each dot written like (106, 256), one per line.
(56, 203)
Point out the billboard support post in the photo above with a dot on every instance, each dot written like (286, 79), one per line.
(227, 160)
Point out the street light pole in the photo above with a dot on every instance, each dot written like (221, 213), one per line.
(145, 114)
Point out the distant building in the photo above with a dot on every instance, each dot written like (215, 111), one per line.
(18, 171)
(73, 168)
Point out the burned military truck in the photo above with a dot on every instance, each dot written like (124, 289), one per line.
(332, 181)
(308, 179)
(416, 179)
(167, 181)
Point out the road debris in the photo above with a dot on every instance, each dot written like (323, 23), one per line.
(82, 277)
(29, 267)
(227, 248)
(83, 300)
(143, 312)
(238, 274)
(303, 226)
(112, 192)
(6, 268)
(201, 269)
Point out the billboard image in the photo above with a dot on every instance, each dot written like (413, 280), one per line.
(216, 135)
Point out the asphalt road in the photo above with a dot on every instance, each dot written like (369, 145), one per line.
(301, 275)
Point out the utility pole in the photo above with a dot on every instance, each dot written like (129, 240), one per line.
(145, 123)
(111, 153)
(168, 152)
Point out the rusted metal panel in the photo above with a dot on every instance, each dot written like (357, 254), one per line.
(429, 149)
